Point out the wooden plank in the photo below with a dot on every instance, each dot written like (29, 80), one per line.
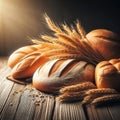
(26, 106)
(12, 103)
(4, 93)
(114, 111)
(69, 111)
(34, 105)
(44, 110)
(90, 113)
(49, 108)
(105, 112)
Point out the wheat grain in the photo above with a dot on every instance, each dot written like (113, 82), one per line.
(106, 99)
(75, 36)
(71, 96)
(66, 28)
(58, 42)
(78, 87)
(52, 25)
(67, 39)
(96, 93)
(44, 44)
(101, 91)
(80, 29)
(62, 51)
(87, 99)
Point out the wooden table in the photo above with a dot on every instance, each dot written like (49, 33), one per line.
(24, 102)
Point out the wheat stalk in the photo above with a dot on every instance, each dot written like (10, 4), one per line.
(70, 39)
(71, 96)
(101, 91)
(106, 99)
(66, 39)
(52, 25)
(78, 87)
(92, 94)
(80, 30)
(67, 29)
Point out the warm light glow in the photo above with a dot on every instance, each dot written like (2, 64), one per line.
(18, 21)
(13, 16)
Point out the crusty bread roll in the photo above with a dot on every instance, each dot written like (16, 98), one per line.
(105, 42)
(54, 74)
(17, 55)
(107, 74)
(27, 66)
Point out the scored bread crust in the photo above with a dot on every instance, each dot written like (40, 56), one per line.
(104, 33)
(106, 42)
(57, 73)
(18, 54)
(27, 66)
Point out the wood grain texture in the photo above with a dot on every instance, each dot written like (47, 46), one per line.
(69, 111)
(24, 102)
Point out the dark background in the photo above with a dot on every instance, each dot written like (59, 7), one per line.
(23, 19)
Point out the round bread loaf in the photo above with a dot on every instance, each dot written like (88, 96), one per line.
(105, 42)
(107, 74)
(57, 73)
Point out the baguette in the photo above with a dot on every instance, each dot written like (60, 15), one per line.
(105, 42)
(107, 74)
(57, 73)
(27, 66)
(17, 55)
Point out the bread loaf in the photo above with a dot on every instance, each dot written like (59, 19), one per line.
(17, 55)
(27, 66)
(106, 42)
(107, 74)
(54, 74)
